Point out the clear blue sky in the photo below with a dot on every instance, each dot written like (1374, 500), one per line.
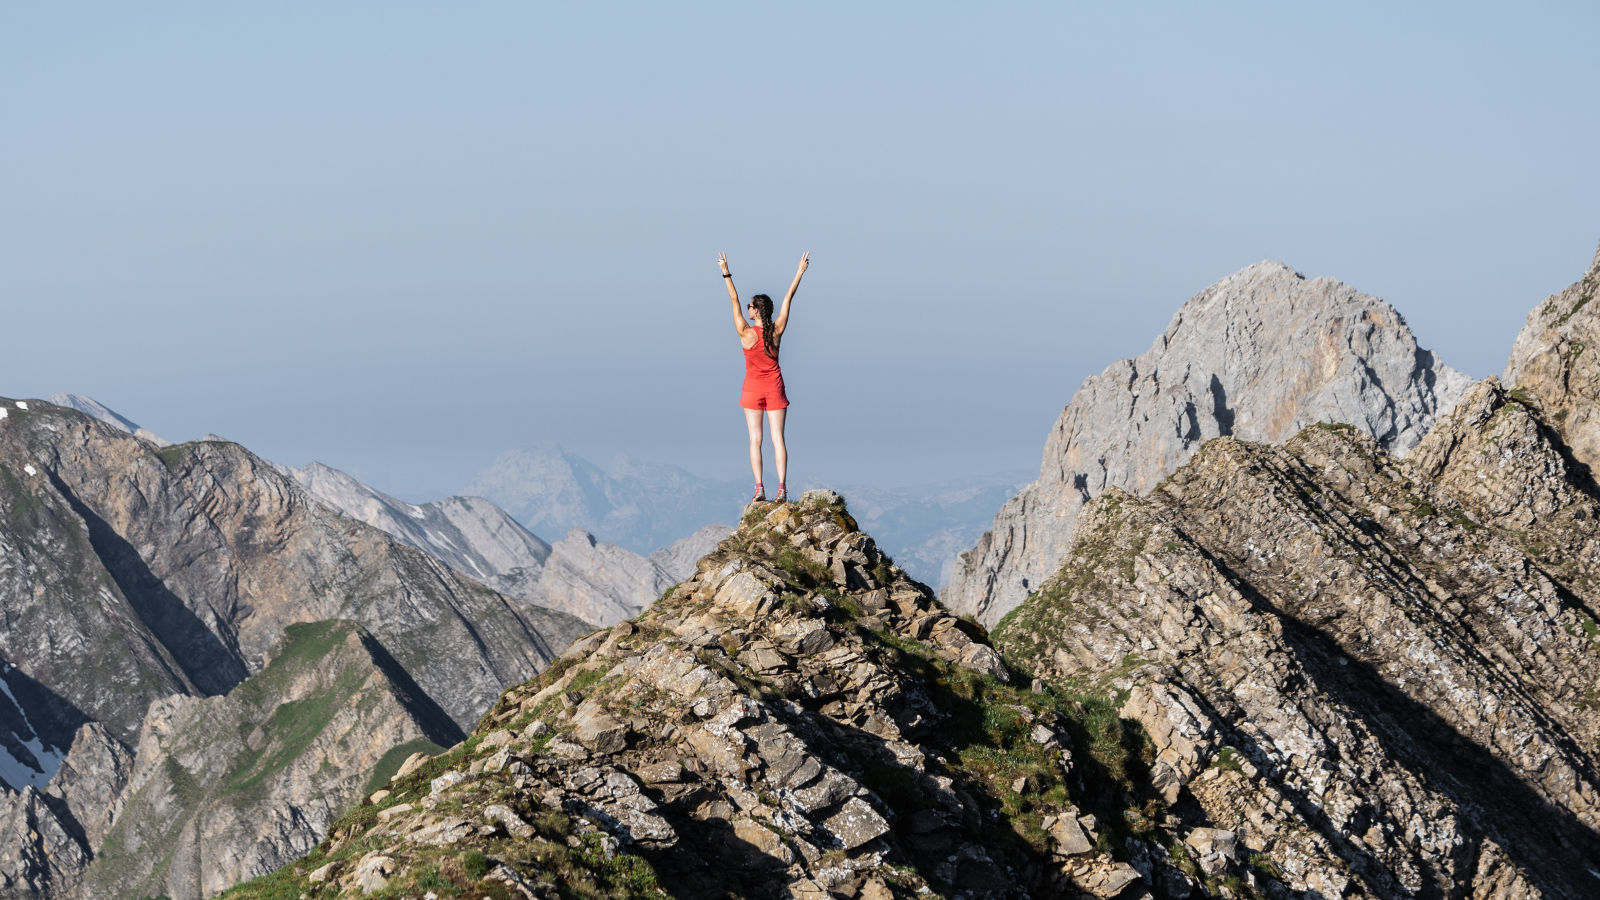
(400, 238)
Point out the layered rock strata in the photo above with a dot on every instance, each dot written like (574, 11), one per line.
(1376, 674)
(799, 719)
(1257, 356)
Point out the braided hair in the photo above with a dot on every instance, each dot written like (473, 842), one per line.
(763, 305)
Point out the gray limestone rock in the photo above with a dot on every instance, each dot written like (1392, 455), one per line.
(107, 415)
(40, 856)
(594, 581)
(1548, 362)
(597, 582)
(1258, 356)
(91, 778)
(1371, 670)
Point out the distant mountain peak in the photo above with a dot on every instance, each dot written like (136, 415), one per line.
(1259, 355)
(106, 414)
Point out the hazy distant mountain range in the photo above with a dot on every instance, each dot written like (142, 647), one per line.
(636, 504)
(642, 506)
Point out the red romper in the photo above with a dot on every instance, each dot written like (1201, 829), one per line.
(763, 380)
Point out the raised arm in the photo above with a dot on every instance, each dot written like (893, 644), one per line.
(739, 324)
(782, 320)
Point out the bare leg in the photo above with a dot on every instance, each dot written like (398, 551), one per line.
(780, 452)
(752, 420)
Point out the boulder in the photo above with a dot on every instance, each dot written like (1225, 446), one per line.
(855, 823)
(601, 733)
(760, 844)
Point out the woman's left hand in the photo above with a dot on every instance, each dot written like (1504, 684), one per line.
(805, 261)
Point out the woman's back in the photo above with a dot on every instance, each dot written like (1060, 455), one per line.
(757, 364)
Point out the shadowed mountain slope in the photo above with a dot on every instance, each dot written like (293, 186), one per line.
(131, 573)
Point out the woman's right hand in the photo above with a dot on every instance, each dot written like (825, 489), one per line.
(722, 261)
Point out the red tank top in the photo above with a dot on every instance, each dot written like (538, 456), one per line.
(761, 371)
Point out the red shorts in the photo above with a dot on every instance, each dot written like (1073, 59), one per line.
(764, 398)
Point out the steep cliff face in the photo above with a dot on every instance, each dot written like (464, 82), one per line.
(1257, 356)
(1549, 362)
(228, 788)
(1378, 673)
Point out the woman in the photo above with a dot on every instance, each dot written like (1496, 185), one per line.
(763, 380)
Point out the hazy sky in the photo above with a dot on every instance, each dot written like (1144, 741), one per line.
(401, 238)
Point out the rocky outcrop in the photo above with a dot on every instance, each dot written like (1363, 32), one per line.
(39, 854)
(799, 719)
(228, 788)
(90, 780)
(1373, 674)
(1549, 363)
(1257, 356)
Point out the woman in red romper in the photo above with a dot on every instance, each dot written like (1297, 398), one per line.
(763, 380)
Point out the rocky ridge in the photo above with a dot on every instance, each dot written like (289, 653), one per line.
(468, 534)
(799, 719)
(1258, 356)
(1375, 674)
(107, 415)
(599, 582)
(230, 787)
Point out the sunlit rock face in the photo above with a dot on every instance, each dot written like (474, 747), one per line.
(1257, 356)
(1555, 360)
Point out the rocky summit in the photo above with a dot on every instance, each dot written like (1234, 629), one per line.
(1257, 356)
(799, 719)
